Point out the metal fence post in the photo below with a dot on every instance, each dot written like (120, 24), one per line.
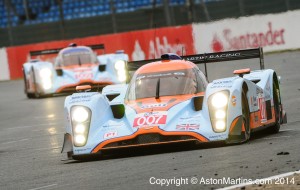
(62, 19)
(113, 16)
(287, 4)
(167, 12)
(242, 7)
(205, 10)
(9, 30)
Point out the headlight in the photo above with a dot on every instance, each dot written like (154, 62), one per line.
(81, 118)
(121, 75)
(220, 114)
(122, 78)
(45, 73)
(120, 65)
(80, 139)
(80, 114)
(219, 100)
(217, 110)
(79, 128)
(220, 125)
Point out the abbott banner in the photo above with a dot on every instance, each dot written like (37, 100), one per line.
(139, 45)
(272, 32)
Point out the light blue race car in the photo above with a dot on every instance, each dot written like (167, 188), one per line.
(74, 66)
(169, 101)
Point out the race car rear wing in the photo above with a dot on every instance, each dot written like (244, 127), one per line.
(209, 58)
(56, 51)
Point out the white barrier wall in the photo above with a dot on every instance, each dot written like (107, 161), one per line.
(4, 67)
(272, 32)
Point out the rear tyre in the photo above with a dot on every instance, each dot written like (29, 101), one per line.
(246, 117)
(276, 127)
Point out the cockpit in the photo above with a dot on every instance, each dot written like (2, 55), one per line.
(76, 56)
(166, 83)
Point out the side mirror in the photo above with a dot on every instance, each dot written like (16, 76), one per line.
(118, 111)
(198, 102)
(59, 72)
(102, 68)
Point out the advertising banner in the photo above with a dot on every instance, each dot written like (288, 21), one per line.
(139, 45)
(273, 32)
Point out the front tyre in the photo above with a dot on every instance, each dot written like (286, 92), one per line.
(246, 118)
(37, 93)
(276, 127)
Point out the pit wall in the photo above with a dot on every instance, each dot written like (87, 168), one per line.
(274, 32)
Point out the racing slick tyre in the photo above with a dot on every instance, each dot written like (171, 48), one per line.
(29, 95)
(246, 118)
(36, 93)
(276, 127)
(243, 126)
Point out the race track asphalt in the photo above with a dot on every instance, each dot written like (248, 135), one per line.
(31, 135)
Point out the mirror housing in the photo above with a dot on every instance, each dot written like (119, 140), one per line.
(59, 72)
(198, 102)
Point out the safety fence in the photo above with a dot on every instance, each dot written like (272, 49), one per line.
(273, 32)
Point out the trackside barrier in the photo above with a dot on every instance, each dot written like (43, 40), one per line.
(273, 32)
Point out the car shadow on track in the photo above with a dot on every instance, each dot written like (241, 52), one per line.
(146, 151)
(167, 148)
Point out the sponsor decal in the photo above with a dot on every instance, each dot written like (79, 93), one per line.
(222, 84)
(258, 91)
(111, 125)
(187, 127)
(82, 149)
(217, 137)
(256, 118)
(233, 100)
(150, 119)
(254, 101)
(189, 117)
(110, 134)
(153, 105)
(81, 98)
(84, 75)
(262, 108)
(223, 55)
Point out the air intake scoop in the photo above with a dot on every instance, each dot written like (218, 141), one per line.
(170, 56)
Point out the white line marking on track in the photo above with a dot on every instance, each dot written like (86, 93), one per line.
(277, 137)
(9, 142)
(44, 187)
(263, 179)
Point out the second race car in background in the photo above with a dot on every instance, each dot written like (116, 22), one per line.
(169, 100)
(74, 65)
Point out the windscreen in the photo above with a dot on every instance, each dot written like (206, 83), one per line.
(78, 56)
(170, 83)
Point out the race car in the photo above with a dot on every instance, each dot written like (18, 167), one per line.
(169, 100)
(74, 65)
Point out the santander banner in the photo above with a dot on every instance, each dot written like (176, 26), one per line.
(139, 45)
(272, 32)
